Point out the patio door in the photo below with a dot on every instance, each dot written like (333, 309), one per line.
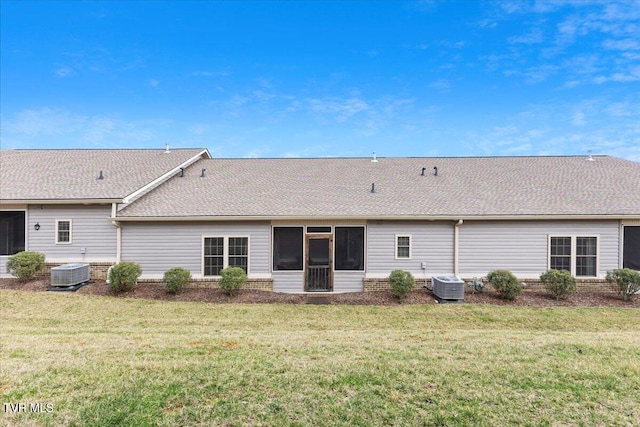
(319, 263)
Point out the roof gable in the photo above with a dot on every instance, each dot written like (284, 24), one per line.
(67, 175)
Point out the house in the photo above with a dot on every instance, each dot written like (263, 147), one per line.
(322, 224)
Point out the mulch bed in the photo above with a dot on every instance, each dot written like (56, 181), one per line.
(529, 298)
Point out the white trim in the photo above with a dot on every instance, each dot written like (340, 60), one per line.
(397, 246)
(156, 182)
(58, 241)
(573, 256)
(225, 251)
(280, 220)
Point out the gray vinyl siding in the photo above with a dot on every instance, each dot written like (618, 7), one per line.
(288, 281)
(431, 242)
(90, 229)
(158, 246)
(522, 246)
(348, 281)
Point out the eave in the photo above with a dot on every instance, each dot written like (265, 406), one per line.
(219, 218)
(59, 201)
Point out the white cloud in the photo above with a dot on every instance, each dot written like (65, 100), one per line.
(63, 71)
(63, 128)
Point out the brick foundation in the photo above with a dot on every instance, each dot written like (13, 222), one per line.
(258, 284)
(582, 285)
(373, 285)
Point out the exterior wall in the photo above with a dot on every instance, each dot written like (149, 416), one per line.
(288, 281)
(158, 246)
(90, 230)
(348, 281)
(522, 246)
(431, 242)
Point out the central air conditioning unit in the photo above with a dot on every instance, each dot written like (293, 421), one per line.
(448, 288)
(69, 274)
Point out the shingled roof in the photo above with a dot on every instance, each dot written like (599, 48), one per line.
(68, 175)
(479, 187)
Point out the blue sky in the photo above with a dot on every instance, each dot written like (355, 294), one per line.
(323, 78)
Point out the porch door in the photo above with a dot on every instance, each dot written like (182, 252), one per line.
(319, 263)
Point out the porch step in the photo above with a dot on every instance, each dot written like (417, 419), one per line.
(318, 299)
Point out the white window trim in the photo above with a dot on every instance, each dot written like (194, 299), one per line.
(58, 242)
(410, 246)
(225, 251)
(574, 239)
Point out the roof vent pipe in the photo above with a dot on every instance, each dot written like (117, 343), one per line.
(374, 160)
(167, 150)
(590, 157)
(435, 171)
(181, 172)
(423, 169)
(202, 174)
(373, 187)
(101, 176)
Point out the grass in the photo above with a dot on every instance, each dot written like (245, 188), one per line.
(112, 362)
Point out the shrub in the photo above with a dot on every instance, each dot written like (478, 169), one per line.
(25, 265)
(626, 280)
(176, 278)
(233, 278)
(401, 283)
(507, 285)
(123, 276)
(559, 282)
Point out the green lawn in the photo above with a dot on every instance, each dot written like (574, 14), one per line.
(101, 361)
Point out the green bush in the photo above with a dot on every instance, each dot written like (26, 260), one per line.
(507, 285)
(233, 278)
(176, 278)
(25, 265)
(401, 283)
(123, 276)
(559, 282)
(626, 280)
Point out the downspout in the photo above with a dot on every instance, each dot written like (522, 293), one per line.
(456, 247)
(116, 224)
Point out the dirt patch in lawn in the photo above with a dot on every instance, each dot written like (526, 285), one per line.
(530, 298)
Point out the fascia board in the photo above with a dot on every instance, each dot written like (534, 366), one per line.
(374, 218)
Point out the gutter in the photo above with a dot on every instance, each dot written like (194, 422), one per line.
(612, 217)
(456, 247)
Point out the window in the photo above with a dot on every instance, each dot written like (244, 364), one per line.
(575, 254)
(403, 247)
(222, 252)
(349, 244)
(12, 232)
(312, 230)
(63, 231)
(560, 253)
(287, 248)
(586, 256)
